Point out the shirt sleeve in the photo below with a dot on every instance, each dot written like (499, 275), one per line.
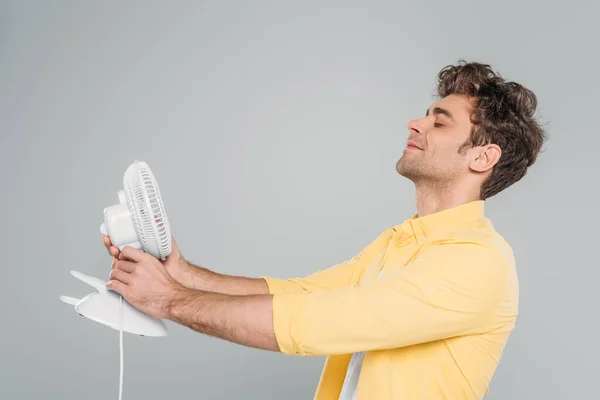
(336, 277)
(448, 290)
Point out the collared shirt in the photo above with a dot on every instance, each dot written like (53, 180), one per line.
(431, 302)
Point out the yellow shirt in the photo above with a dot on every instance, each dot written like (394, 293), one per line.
(432, 326)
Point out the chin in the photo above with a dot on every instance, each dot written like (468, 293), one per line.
(402, 167)
(402, 171)
(409, 171)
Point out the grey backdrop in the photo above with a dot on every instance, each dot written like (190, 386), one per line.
(273, 129)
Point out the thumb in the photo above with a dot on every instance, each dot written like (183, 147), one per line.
(174, 248)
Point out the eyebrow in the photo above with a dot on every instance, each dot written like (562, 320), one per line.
(443, 111)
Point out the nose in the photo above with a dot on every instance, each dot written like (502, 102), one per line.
(415, 127)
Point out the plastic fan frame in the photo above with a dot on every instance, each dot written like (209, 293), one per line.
(153, 229)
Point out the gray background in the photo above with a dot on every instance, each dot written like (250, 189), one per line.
(274, 129)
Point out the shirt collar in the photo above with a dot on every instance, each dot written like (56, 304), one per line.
(444, 220)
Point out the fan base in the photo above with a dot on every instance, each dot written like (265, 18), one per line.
(104, 306)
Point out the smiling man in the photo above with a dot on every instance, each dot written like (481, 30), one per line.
(425, 310)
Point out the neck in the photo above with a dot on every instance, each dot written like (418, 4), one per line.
(434, 198)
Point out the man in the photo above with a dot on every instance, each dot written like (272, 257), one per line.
(422, 312)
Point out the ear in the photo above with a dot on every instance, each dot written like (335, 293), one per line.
(485, 157)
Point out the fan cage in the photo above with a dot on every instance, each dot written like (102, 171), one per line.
(148, 213)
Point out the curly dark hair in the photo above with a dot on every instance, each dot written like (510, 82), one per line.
(503, 113)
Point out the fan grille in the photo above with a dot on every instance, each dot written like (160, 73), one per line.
(147, 210)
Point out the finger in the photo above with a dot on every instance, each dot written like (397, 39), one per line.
(117, 286)
(108, 244)
(131, 253)
(114, 251)
(121, 276)
(126, 266)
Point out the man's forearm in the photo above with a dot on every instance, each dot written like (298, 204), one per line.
(246, 320)
(200, 278)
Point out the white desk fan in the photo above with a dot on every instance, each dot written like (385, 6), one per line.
(139, 221)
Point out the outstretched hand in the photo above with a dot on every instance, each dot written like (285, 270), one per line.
(174, 263)
(143, 281)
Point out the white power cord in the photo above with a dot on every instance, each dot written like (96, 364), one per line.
(121, 350)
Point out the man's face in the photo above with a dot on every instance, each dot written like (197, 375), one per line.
(431, 155)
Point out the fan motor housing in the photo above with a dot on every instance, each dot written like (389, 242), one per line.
(118, 225)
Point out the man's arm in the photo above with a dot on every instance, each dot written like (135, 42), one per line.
(335, 277)
(453, 289)
(240, 309)
(246, 319)
(201, 278)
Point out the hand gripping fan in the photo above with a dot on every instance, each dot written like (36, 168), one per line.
(140, 221)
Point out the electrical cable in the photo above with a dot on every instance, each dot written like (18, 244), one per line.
(121, 350)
